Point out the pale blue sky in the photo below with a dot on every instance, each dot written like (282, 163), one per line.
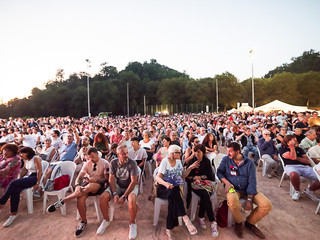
(202, 37)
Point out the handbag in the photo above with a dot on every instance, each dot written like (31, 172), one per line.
(61, 182)
(207, 185)
(221, 214)
(154, 192)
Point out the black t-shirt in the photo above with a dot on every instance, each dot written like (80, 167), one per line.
(302, 125)
(287, 161)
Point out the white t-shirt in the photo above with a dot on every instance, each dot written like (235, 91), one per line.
(147, 145)
(166, 169)
(29, 141)
(137, 155)
(314, 152)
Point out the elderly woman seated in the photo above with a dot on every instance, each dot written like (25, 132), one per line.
(170, 178)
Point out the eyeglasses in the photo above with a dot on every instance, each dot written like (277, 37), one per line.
(177, 152)
(94, 167)
(196, 141)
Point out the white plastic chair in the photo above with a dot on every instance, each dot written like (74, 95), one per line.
(141, 177)
(264, 164)
(315, 169)
(28, 191)
(311, 161)
(67, 167)
(195, 200)
(96, 203)
(217, 160)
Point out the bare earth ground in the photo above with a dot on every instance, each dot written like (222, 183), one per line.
(287, 220)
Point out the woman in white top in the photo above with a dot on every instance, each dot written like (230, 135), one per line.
(30, 176)
(48, 152)
(147, 143)
(170, 179)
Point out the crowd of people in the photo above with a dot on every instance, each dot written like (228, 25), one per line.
(110, 153)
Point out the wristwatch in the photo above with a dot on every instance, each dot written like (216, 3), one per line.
(249, 199)
(114, 193)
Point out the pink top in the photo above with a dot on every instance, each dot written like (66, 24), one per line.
(88, 169)
(9, 170)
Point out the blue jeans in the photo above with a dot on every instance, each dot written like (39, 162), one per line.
(14, 189)
(253, 149)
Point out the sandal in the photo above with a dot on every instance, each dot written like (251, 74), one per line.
(169, 234)
(191, 228)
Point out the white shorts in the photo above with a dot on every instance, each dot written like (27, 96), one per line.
(302, 170)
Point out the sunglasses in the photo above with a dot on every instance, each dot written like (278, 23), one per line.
(94, 167)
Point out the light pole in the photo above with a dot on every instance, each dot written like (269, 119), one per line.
(217, 95)
(251, 56)
(88, 88)
(128, 99)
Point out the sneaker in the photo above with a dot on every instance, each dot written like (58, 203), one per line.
(10, 220)
(103, 227)
(53, 207)
(132, 231)
(214, 229)
(170, 234)
(202, 223)
(296, 195)
(310, 194)
(82, 225)
(269, 175)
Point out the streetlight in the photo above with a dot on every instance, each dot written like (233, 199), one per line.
(251, 56)
(88, 89)
(217, 95)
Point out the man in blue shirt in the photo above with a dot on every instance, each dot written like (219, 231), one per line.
(69, 150)
(269, 153)
(239, 176)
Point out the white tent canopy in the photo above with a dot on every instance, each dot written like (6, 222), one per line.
(277, 105)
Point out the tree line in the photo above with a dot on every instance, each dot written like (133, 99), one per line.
(297, 84)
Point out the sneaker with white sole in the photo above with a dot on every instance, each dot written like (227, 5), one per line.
(296, 195)
(10, 220)
(53, 207)
(202, 223)
(310, 194)
(214, 229)
(132, 231)
(103, 226)
(82, 225)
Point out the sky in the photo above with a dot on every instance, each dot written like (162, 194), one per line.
(202, 37)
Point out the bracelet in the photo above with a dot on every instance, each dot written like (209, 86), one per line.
(123, 196)
(114, 193)
(77, 185)
(249, 199)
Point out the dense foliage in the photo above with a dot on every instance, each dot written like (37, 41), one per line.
(296, 83)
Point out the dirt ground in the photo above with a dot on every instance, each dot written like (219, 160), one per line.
(287, 220)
